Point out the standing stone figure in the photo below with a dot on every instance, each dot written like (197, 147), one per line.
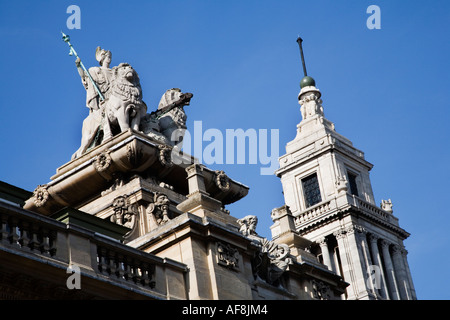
(101, 75)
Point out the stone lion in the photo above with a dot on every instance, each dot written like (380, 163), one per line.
(168, 124)
(124, 107)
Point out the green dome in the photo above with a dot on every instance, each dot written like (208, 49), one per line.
(307, 81)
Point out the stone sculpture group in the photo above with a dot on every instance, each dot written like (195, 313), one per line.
(114, 99)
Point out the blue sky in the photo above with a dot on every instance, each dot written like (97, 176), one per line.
(387, 90)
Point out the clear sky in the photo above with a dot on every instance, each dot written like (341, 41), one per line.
(385, 89)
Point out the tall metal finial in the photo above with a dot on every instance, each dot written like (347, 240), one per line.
(299, 41)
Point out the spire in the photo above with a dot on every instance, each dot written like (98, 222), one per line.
(309, 96)
(307, 81)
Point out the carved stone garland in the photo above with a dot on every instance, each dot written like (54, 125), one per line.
(222, 180)
(102, 161)
(40, 195)
(165, 155)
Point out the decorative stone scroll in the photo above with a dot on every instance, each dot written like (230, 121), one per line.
(159, 208)
(227, 256)
(124, 213)
(272, 261)
(40, 195)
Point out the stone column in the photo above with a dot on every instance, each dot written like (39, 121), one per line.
(347, 271)
(358, 254)
(377, 261)
(390, 276)
(325, 253)
(404, 253)
(367, 259)
(400, 272)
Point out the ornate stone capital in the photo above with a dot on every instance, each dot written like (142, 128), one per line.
(322, 241)
(385, 243)
(396, 249)
(372, 237)
(341, 184)
(339, 234)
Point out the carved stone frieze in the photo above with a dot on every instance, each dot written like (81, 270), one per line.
(227, 256)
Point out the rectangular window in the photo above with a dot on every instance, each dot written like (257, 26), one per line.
(311, 190)
(352, 183)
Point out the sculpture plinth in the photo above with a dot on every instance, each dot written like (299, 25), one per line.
(121, 157)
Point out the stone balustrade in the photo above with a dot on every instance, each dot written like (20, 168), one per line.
(48, 241)
(314, 212)
(324, 208)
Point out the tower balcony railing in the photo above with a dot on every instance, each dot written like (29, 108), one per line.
(344, 201)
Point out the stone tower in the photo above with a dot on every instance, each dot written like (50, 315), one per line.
(327, 189)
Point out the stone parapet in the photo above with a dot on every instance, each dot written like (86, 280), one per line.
(104, 263)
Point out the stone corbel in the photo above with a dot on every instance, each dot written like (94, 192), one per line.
(124, 213)
(159, 208)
